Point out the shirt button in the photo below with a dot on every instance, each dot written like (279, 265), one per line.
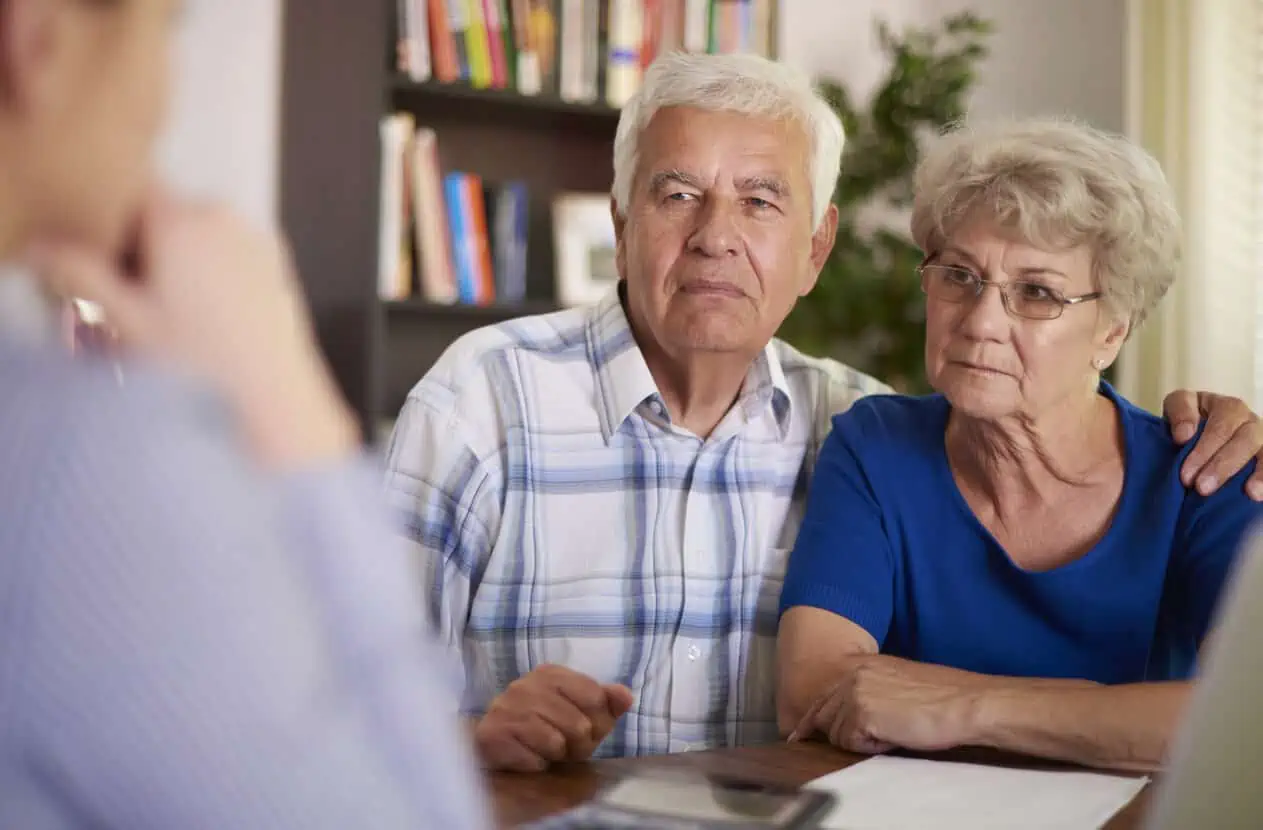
(694, 652)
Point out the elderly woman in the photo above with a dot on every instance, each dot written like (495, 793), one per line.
(1013, 562)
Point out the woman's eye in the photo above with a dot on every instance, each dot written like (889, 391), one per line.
(1035, 292)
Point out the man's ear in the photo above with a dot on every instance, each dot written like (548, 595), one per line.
(620, 250)
(28, 40)
(822, 239)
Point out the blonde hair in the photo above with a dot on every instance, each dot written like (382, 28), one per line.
(741, 83)
(1058, 183)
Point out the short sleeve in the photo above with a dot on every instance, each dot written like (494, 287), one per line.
(446, 499)
(1208, 541)
(841, 561)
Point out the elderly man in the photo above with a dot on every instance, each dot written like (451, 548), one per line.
(603, 499)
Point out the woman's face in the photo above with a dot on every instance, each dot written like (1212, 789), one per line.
(990, 363)
(85, 98)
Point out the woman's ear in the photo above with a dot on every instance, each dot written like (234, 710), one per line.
(1115, 337)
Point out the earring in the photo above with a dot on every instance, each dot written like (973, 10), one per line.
(1098, 364)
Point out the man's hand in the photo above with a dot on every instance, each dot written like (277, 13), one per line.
(885, 702)
(551, 714)
(1233, 436)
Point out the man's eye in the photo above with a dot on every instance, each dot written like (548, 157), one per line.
(761, 204)
(679, 197)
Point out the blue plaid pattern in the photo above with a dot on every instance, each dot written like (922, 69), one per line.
(560, 517)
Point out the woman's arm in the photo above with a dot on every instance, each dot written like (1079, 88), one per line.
(1126, 727)
(814, 649)
(870, 703)
(836, 601)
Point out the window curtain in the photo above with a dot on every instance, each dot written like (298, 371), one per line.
(1195, 100)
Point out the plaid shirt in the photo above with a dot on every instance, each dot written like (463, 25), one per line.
(560, 517)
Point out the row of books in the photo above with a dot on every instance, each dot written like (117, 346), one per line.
(449, 238)
(581, 50)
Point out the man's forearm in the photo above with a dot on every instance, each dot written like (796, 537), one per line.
(1127, 727)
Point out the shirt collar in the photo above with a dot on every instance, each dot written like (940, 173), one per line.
(623, 380)
(765, 385)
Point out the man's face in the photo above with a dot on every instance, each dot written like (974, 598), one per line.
(717, 244)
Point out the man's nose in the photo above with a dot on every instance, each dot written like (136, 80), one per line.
(716, 232)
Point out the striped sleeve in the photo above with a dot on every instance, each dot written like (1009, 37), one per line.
(447, 502)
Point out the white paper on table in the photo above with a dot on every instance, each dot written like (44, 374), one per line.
(890, 793)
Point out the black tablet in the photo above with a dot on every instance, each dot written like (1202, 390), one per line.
(685, 800)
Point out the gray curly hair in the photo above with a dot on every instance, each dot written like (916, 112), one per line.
(1058, 183)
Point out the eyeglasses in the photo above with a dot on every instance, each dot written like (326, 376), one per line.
(1022, 299)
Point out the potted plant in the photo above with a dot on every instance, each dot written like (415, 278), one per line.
(867, 309)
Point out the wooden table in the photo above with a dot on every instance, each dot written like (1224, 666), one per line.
(520, 799)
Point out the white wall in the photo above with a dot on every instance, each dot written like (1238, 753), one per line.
(222, 134)
(1047, 56)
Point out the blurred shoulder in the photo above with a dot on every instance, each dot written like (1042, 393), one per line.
(82, 414)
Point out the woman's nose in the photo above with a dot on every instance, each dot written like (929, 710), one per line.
(986, 316)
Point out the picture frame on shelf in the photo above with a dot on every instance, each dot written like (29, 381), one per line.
(585, 247)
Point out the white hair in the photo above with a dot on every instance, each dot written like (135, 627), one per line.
(745, 84)
(1058, 182)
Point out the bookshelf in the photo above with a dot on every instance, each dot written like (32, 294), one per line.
(340, 79)
(502, 106)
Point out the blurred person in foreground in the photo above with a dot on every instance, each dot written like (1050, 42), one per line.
(603, 499)
(206, 621)
(1014, 561)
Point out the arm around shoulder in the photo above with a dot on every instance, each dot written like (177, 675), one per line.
(1210, 537)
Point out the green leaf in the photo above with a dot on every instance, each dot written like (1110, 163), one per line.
(867, 308)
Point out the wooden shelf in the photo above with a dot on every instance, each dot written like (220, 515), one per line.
(338, 82)
(440, 101)
(493, 312)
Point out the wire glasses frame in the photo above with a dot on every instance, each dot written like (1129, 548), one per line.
(1030, 300)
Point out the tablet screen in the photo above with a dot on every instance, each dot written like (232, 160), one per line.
(701, 799)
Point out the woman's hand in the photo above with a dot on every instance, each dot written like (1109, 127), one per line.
(885, 702)
(218, 298)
